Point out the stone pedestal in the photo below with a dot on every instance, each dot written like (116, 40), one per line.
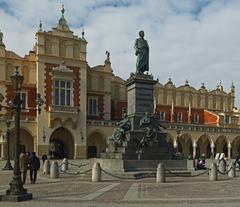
(140, 97)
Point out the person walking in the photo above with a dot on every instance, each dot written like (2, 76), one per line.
(34, 165)
(23, 165)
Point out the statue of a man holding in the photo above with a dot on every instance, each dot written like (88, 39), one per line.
(142, 53)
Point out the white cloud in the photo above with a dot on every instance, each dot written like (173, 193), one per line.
(196, 40)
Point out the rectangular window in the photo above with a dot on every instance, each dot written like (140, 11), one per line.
(196, 118)
(24, 100)
(227, 119)
(62, 93)
(92, 105)
(162, 116)
(179, 117)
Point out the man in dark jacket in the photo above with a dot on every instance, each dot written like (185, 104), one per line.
(34, 165)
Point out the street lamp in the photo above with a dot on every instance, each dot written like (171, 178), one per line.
(8, 165)
(16, 192)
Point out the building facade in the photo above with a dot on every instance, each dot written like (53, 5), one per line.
(82, 104)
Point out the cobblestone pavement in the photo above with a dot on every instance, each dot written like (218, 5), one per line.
(71, 191)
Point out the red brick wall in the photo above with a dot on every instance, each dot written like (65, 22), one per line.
(76, 86)
(48, 85)
(31, 99)
(183, 110)
(117, 109)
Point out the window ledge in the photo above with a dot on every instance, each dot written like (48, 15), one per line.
(65, 109)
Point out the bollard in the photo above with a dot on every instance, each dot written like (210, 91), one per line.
(213, 172)
(231, 170)
(46, 167)
(54, 170)
(96, 172)
(161, 178)
(64, 165)
(222, 166)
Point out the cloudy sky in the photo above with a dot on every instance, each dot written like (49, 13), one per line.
(198, 40)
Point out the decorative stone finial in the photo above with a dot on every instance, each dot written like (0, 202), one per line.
(83, 34)
(219, 86)
(232, 87)
(186, 83)
(107, 56)
(40, 26)
(1, 36)
(169, 81)
(203, 86)
(62, 23)
(62, 10)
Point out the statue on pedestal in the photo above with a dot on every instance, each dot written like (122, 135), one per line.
(142, 53)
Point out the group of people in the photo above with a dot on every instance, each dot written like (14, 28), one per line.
(29, 162)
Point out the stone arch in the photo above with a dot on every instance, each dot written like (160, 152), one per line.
(204, 146)
(236, 146)
(221, 145)
(96, 144)
(61, 144)
(185, 144)
(26, 141)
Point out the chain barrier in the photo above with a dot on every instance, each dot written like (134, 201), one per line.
(79, 166)
(74, 173)
(222, 173)
(177, 175)
(116, 176)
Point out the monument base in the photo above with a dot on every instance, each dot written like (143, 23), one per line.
(16, 198)
(117, 165)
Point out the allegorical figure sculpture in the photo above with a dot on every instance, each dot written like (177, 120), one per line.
(142, 53)
(118, 134)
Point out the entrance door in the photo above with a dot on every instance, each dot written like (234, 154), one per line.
(61, 144)
(57, 150)
(92, 151)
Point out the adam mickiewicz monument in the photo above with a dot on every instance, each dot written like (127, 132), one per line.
(137, 143)
(142, 53)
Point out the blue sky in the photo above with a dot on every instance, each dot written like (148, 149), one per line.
(198, 40)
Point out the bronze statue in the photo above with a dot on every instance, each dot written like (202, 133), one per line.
(142, 53)
(118, 134)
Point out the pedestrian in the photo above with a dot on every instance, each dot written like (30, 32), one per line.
(34, 165)
(23, 165)
(44, 158)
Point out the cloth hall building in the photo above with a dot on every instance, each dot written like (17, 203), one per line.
(83, 104)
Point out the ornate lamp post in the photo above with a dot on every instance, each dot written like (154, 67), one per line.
(16, 192)
(8, 165)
